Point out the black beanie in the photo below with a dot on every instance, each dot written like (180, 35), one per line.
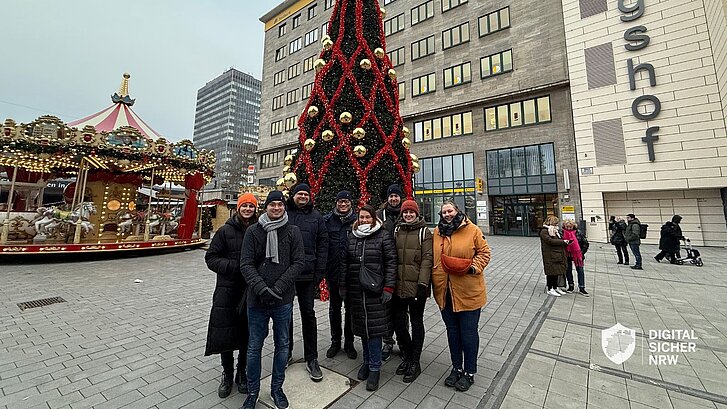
(274, 196)
(301, 187)
(344, 195)
(395, 189)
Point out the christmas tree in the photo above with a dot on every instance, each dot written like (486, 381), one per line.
(351, 134)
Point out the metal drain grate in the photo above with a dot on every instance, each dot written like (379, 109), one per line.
(39, 303)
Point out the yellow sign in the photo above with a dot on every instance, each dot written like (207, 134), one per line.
(480, 186)
(568, 209)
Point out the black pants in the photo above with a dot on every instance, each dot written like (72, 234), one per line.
(623, 254)
(405, 309)
(305, 290)
(669, 256)
(228, 361)
(334, 316)
(552, 282)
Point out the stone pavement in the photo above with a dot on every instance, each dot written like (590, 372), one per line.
(116, 343)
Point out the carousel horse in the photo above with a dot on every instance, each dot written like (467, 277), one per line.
(44, 218)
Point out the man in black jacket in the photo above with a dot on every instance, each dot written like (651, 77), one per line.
(315, 240)
(271, 259)
(338, 224)
(671, 234)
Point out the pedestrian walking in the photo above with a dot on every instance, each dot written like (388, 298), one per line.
(632, 234)
(575, 252)
(367, 281)
(669, 240)
(415, 258)
(617, 226)
(552, 247)
(315, 240)
(272, 258)
(461, 254)
(338, 225)
(227, 331)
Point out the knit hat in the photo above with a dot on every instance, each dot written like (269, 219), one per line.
(300, 187)
(246, 198)
(410, 205)
(395, 189)
(275, 196)
(344, 195)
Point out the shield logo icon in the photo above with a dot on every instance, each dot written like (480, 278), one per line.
(618, 343)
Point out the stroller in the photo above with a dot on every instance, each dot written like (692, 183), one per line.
(692, 256)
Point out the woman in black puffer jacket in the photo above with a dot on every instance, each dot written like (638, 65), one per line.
(367, 281)
(228, 329)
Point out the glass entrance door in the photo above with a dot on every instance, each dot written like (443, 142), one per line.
(516, 220)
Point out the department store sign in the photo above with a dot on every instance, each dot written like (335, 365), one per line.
(637, 39)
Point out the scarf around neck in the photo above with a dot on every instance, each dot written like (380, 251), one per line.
(271, 227)
(552, 230)
(573, 250)
(344, 217)
(447, 229)
(364, 230)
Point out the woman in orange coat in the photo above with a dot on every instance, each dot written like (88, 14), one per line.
(461, 254)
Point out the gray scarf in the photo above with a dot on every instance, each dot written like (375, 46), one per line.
(271, 227)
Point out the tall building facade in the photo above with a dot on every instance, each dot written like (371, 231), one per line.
(483, 87)
(649, 91)
(227, 121)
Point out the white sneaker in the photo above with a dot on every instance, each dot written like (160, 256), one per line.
(553, 292)
(561, 292)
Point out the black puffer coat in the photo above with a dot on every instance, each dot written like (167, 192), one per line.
(670, 235)
(377, 254)
(617, 232)
(226, 327)
(338, 231)
(315, 239)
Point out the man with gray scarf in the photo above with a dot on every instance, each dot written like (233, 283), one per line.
(271, 258)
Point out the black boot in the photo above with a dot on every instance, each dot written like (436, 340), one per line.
(363, 372)
(333, 350)
(412, 372)
(350, 350)
(453, 377)
(226, 385)
(405, 362)
(372, 383)
(241, 380)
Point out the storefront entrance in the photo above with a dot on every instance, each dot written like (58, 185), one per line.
(521, 215)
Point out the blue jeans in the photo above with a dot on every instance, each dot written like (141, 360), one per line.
(462, 336)
(635, 248)
(579, 271)
(258, 320)
(372, 353)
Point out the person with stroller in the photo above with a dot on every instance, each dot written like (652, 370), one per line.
(575, 252)
(617, 226)
(669, 239)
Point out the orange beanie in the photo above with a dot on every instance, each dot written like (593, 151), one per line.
(246, 198)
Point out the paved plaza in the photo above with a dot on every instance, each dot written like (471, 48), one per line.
(116, 343)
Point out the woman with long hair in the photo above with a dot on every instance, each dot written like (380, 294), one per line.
(575, 255)
(552, 247)
(461, 254)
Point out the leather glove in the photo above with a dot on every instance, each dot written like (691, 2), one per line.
(422, 291)
(268, 296)
(386, 295)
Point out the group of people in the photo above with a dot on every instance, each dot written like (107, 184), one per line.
(629, 232)
(561, 250)
(380, 265)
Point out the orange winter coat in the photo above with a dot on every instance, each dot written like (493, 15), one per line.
(468, 291)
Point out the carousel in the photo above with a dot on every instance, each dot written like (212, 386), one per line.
(112, 157)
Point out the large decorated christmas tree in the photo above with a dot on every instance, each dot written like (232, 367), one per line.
(351, 134)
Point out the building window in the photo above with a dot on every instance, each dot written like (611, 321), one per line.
(422, 48)
(276, 128)
(291, 151)
(324, 29)
(402, 91)
(422, 12)
(450, 4)
(294, 70)
(423, 85)
(397, 57)
(296, 21)
(306, 90)
(388, 2)
(521, 170)
(312, 11)
(295, 45)
(328, 4)
(292, 97)
(282, 29)
(456, 36)
(496, 64)
(520, 113)
(311, 37)
(280, 53)
(443, 127)
(446, 178)
(394, 25)
(308, 63)
(495, 21)
(291, 123)
(457, 75)
(270, 160)
(278, 102)
(279, 77)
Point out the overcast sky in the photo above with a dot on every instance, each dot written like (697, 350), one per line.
(66, 58)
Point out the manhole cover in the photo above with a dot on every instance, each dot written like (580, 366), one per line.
(39, 303)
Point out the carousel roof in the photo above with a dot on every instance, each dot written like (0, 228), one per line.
(117, 115)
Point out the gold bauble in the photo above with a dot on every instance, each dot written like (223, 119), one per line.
(406, 132)
(359, 133)
(365, 64)
(327, 135)
(286, 169)
(319, 64)
(359, 151)
(415, 167)
(383, 12)
(346, 117)
(325, 38)
(327, 43)
(280, 184)
(414, 157)
(309, 144)
(379, 52)
(312, 111)
(288, 160)
(392, 74)
(290, 180)
(406, 142)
